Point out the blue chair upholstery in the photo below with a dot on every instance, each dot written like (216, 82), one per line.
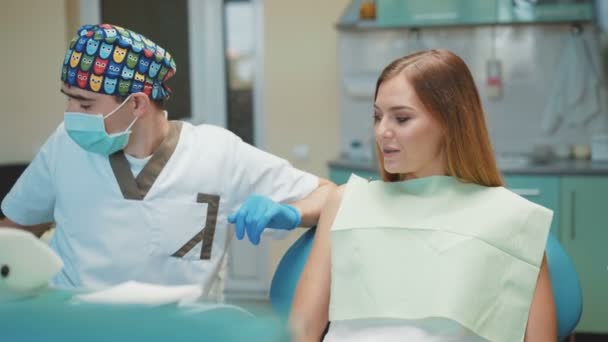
(285, 279)
(566, 286)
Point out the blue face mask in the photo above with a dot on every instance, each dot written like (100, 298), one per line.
(89, 132)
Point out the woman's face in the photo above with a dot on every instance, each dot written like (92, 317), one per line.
(408, 137)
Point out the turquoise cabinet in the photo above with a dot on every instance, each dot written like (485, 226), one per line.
(436, 12)
(421, 13)
(584, 234)
(544, 190)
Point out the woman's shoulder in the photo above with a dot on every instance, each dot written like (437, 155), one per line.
(336, 195)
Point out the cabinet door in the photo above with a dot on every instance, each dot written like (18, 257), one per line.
(543, 190)
(584, 206)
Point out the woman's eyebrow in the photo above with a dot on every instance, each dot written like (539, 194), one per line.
(397, 108)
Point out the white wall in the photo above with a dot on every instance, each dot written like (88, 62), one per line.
(34, 37)
(301, 85)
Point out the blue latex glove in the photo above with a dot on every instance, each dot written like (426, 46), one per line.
(260, 212)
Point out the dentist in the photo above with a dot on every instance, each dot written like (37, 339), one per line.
(134, 196)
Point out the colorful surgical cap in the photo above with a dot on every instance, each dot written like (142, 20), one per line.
(111, 60)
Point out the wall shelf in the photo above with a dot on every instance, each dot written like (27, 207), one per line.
(400, 14)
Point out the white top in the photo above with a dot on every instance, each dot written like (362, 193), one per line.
(107, 235)
(137, 164)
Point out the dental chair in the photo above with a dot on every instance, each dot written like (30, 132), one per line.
(564, 281)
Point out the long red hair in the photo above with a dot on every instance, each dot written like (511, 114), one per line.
(446, 88)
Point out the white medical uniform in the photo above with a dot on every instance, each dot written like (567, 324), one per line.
(167, 225)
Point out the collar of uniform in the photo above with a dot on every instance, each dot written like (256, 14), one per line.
(136, 188)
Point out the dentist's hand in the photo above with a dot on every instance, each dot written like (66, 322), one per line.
(260, 212)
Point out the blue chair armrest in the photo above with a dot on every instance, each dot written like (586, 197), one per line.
(566, 287)
(285, 278)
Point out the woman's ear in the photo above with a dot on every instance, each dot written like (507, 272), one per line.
(141, 104)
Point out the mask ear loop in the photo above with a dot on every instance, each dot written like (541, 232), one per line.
(131, 125)
(117, 108)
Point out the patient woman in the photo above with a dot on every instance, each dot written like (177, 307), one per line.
(438, 250)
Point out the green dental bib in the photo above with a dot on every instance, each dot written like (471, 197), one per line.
(436, 247)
